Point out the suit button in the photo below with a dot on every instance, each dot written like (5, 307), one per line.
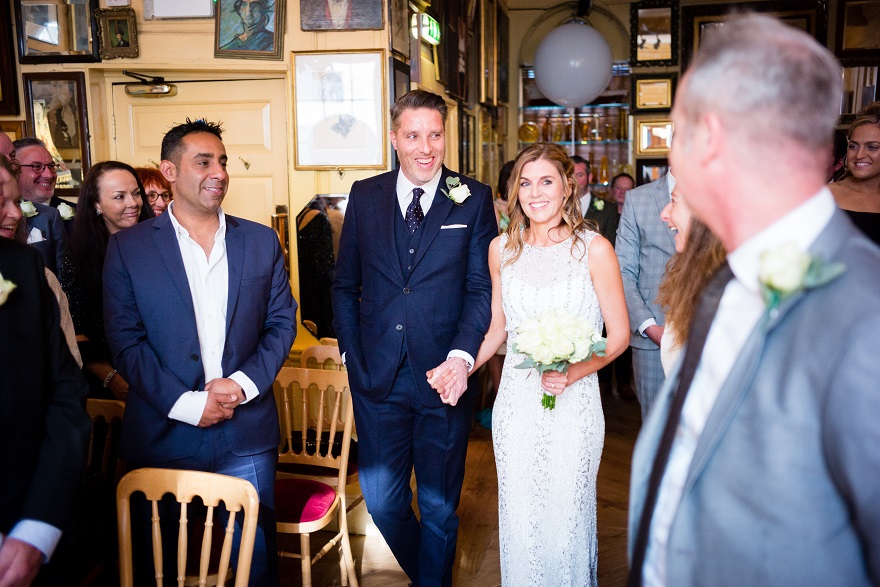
(406, 290)
(411, 251)
(398, 327)
(194, 357)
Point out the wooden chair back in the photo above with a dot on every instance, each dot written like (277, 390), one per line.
(236, 495)
(322, 356)
(110, 412)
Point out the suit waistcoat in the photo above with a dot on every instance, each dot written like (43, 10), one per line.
(407, 244)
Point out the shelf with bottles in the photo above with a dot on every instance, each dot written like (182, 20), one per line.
(584, 125)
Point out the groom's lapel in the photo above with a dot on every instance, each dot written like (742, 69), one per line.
(739, 382)
(440, 208)
(386, 208)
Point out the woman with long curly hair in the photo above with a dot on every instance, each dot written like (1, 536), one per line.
(698, 256)
(548, 460)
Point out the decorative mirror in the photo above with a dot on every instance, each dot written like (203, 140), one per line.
(56, 31)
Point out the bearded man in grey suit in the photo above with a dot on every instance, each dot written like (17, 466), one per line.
(644, 245)
(765, 469)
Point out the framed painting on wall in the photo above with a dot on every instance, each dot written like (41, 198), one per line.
(698, 21)
(339, 110)
(654, 32)
(14, 129)
(488, 51)
(653, 92)
(341, 15)
(56, 31)
(653, 137)
(398, 17)
(8, 72)
(254, 31)
(858, 32)
(55, 106)
(648, 170)
(456, 47)
(400, 85)
(117, 31)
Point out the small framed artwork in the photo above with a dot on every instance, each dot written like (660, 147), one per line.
(699, 21)
(456, 49)
(488, 51)
(339, 107)
(398, 16)
(654, 32)
(343, 15)
(14, 129)
(117, 31)
(249, 30)
(55, 106)
(654, 137)
(56, 31)
(648, 170)
(858, 32)
(653, 92)
(8, 73)
(400, 85)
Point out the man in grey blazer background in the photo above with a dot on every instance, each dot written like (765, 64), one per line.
(765, 469)
(644, 245)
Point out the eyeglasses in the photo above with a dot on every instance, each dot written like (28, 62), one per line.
(153, 196)
(39, 167)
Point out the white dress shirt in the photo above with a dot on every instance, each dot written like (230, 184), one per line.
(670, 183)
(739, 311)
(208, 279)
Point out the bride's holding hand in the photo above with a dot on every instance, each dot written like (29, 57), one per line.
(548, 460)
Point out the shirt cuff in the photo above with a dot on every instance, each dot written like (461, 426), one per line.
(343, 359)
(42, 536)
(462, 355)
(249, 387)
(644, 326)
(189, 407)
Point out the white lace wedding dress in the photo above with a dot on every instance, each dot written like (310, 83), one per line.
(547, 460)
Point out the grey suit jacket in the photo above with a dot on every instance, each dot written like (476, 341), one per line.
(784, 487)
(644, 246)
(54, 245)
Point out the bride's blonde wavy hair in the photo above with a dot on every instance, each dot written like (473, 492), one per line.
(572, 219)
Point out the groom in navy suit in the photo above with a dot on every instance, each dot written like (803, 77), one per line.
(200, 318)
(412, 294)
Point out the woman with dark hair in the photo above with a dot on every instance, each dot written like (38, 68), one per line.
(156, 188)
(111, 199)
(858, 193)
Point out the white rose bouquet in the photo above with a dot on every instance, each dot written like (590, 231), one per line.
(555, 340)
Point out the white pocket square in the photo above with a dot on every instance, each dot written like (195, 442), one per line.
(446, 226)
(35, 236)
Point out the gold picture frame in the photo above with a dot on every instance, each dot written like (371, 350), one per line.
(654, 137)
(117, 33)
(14, 129)
(653, 92)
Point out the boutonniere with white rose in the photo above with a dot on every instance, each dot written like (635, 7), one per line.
(598, 204)
(6, 288)
(28, 209)
(458, 192)
(66, 211)
(788, 270)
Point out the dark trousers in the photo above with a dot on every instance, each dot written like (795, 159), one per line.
(215, 456)
(396, 435)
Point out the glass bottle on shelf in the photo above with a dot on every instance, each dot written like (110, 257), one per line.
(604, 177)
(622, 126)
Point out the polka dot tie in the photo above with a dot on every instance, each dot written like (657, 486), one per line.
(414, 214)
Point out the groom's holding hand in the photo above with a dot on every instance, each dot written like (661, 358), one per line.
(411, 294)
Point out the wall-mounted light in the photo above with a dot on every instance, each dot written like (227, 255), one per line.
(430, 28)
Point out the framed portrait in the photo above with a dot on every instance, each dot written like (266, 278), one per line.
(55, 106)
(8, 72)
(456, 47)
(653, 137)
(400, 85)
(488, 51)
(56, 31)
(654, 32)
(698, 21)
(14, 129)
(254, 31)
(648, 170)
(343, 15)
(398, 16)
(117, 32)
(339, 107)
(858, 32)
(653, 92)
(503, 57)
(467, 153)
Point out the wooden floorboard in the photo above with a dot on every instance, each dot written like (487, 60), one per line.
(477, 560)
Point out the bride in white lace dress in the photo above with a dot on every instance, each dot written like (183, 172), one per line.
(548, 460)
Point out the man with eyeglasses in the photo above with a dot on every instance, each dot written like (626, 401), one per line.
(46, 230)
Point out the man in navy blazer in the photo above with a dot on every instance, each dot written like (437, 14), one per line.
(411, 294)
(200, 318)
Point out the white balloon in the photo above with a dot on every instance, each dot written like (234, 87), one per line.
(573, 64)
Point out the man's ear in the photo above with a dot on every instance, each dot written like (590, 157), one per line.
(168, 170)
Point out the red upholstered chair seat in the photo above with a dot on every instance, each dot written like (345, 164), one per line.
(316, 470)
(298, 501)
